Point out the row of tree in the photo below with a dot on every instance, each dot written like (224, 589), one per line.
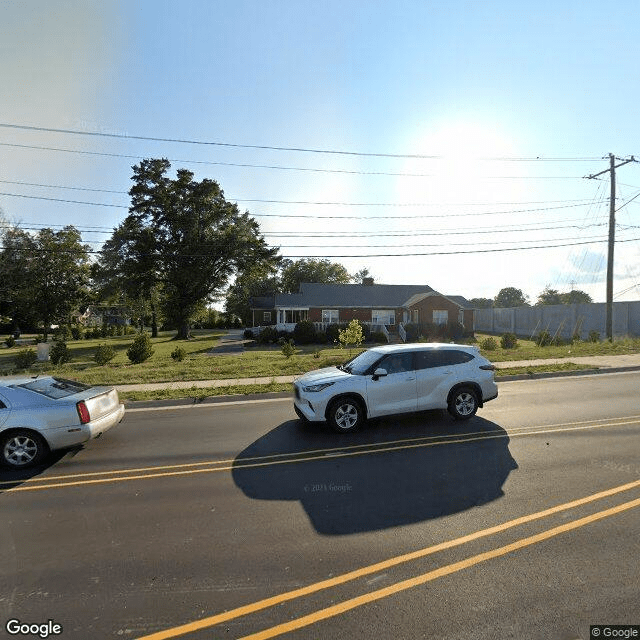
(172, 256)
(512, 297)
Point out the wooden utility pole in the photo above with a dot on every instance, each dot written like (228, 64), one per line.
(612, 237)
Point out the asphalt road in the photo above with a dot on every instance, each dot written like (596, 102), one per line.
(521, 523)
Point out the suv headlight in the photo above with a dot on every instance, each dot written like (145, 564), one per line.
(317, 387)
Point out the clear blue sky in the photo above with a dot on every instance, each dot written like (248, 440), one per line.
(467, 82)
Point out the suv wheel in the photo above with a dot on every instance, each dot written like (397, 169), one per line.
(345, 415)
(463, 403)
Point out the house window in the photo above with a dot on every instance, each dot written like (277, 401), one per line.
(330, 316)
(266, 316)
(383, 316)
(440, 316)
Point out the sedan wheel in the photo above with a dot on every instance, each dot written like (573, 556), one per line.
(345, 415)
(463, 404)
(22, 449)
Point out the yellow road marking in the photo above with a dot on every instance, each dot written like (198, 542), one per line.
(486, 435)
(381, 566)
(353, 603)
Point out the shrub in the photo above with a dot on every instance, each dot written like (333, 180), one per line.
(453, 331)
(77, 333)
(508, 341)
(288, 348)
(63, 333)
(267, 335)
(248, 334)
(60, 353)
(140, 349)
(543, 339)
(25, 358)
(489, 344)
(333, 331)
(575, 337)
(378, 336)
(178, 354)
(104, 353)
(412, 330)
(304, 332)
(316, 353)
(39, 339)
(352, 335)
(594, 336)
(10, 342)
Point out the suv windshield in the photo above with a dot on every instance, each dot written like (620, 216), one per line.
(358, 365)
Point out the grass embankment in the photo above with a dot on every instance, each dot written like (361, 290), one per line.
(259, 361)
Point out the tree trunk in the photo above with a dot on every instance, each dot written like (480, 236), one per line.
(184, 331)
(154, 322)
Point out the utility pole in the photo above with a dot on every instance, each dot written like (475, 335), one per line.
(612, 237)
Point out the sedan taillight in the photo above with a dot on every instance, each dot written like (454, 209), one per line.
(83, 412)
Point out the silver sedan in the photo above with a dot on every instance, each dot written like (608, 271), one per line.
(42, 414)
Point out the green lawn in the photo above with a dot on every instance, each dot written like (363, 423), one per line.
(258, 361)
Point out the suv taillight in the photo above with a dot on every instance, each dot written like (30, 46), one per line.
(488, 367)
(83, 412)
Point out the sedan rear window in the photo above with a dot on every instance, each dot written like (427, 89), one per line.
(55, 388)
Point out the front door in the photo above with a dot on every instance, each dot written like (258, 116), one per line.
(396, 392)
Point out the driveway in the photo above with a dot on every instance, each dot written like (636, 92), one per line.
(231, 344)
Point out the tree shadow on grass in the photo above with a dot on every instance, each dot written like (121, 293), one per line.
(394, 472)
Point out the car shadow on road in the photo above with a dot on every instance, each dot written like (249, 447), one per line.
(394, 472)
(10, 479)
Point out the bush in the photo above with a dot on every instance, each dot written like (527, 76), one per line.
(317, 353)
(268, 335)
(304, 332)
(489, 344)
(10, 342)
(378, 336)
(543, 339)
(352, 335)
(63, 333)
(509, 341)
(59, 353)
(248, 334)
(453, 331)
(25, 358)
(412, 330)
(333, 331)
(178, 354)
(594, 336)
(104, 353)
(77, 333)
(140, 349)
(288, 348)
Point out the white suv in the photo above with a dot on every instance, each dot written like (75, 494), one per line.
(393, 379)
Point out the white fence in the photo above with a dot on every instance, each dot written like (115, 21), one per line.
(563, 320)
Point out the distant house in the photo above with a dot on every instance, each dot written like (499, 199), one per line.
(374, 304)
(97, 315)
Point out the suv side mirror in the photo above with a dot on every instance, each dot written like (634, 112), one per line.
(379, 373)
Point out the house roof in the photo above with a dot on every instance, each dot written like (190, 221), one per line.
(313, 294)
(262, 302)
(459, 300)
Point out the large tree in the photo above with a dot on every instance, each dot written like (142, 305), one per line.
(252, 283)
(549, 296)
(193, 240)
(311, 270)
(510, 297)
(45, 276)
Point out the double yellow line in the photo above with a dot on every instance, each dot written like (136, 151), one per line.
(398, 587)
(214, 466)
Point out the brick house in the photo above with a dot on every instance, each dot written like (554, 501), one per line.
(386, 305)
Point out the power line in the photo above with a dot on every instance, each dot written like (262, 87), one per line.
(377, 255)
(315, 217)
(123, 136)
(282, 168)
(323, 203)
